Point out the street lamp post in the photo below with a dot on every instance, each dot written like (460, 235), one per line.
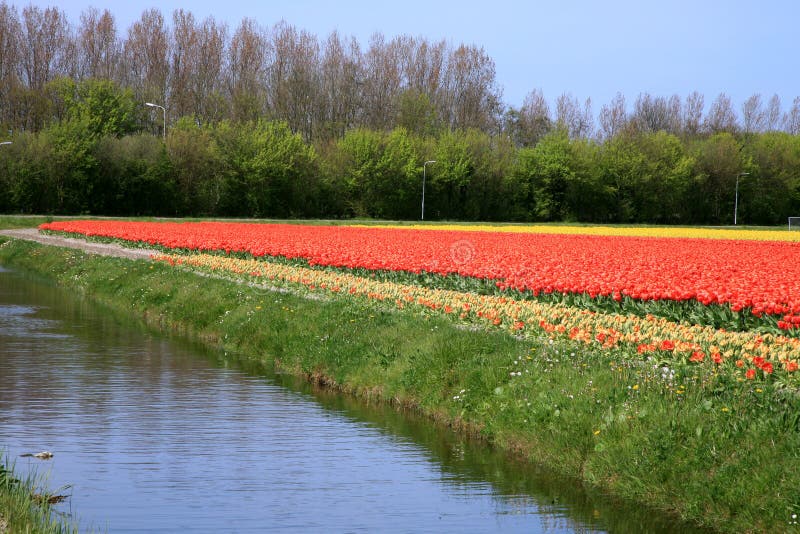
(422, 218)
(162, 108)
(736, 200)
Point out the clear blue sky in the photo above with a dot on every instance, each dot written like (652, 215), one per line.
(589, 48)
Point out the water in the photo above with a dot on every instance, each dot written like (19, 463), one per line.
(155, 434)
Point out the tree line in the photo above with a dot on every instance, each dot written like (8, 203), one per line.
(273, 122)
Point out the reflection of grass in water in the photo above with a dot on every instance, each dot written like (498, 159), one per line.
(466, 461)
(26, 506)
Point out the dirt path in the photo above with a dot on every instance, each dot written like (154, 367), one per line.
(105, 249)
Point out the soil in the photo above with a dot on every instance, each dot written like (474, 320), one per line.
(105, 249)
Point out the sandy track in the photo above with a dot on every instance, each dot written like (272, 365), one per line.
(104, 249)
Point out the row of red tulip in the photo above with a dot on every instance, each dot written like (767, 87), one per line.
(762, 276)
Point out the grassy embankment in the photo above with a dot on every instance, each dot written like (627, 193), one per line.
(717, 451)
(24, 506)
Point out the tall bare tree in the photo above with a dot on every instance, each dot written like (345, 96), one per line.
(99, 47)
(247, 55)
(340, 79)
(422, 75)
(791, 120)
(579, 121)
(721, 117)
(184, 46)
(44, 45)
(753, 115)
(675, 115)
(773, 113)
(693, 113)
(471, 95)
(534, 119)
(207, 69)
(422, 64)
(293, 67)
(10, 31)
(145, 58)
(651, 114)
(613, 117)
(382, 83)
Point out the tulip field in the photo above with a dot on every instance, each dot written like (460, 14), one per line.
(748, 276)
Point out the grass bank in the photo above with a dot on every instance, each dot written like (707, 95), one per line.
(25, 506)
(715, 451)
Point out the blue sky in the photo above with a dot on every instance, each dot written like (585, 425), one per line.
(587, 48)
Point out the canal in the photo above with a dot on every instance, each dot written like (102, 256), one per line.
(155, 434)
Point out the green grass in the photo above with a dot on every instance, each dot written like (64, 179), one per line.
(23, 504)
(704, 447)
(17, 221)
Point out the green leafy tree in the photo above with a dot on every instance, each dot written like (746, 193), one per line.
(621, 165)
(396, 189)
(136, 176)
(546, 172)
(354, 163)
(450, 177)
(378, 172)
(665, 184)
(73, 144)
(588, 197)
(32, 166)
(719, 161)
(197, 163)
(100, 105)
(771, 192)
(487, 196)
(416, 113)
(268, 170)
(85, 113)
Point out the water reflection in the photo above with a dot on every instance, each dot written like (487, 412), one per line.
(155, 434)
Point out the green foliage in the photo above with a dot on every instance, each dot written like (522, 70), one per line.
(87, 156)
(719, 161)
(354, 164)
(378, 173)
(134, 177)
(773, 187)
(547, 171)
(449, 179)
(197, 166)
(396, 193)
(650, 178)
(268, 170)
(102, 107)
(56, 170)
(35, 174)
(416, 113)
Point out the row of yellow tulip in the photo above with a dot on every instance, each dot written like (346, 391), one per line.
(747, 354)
(638, 231)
